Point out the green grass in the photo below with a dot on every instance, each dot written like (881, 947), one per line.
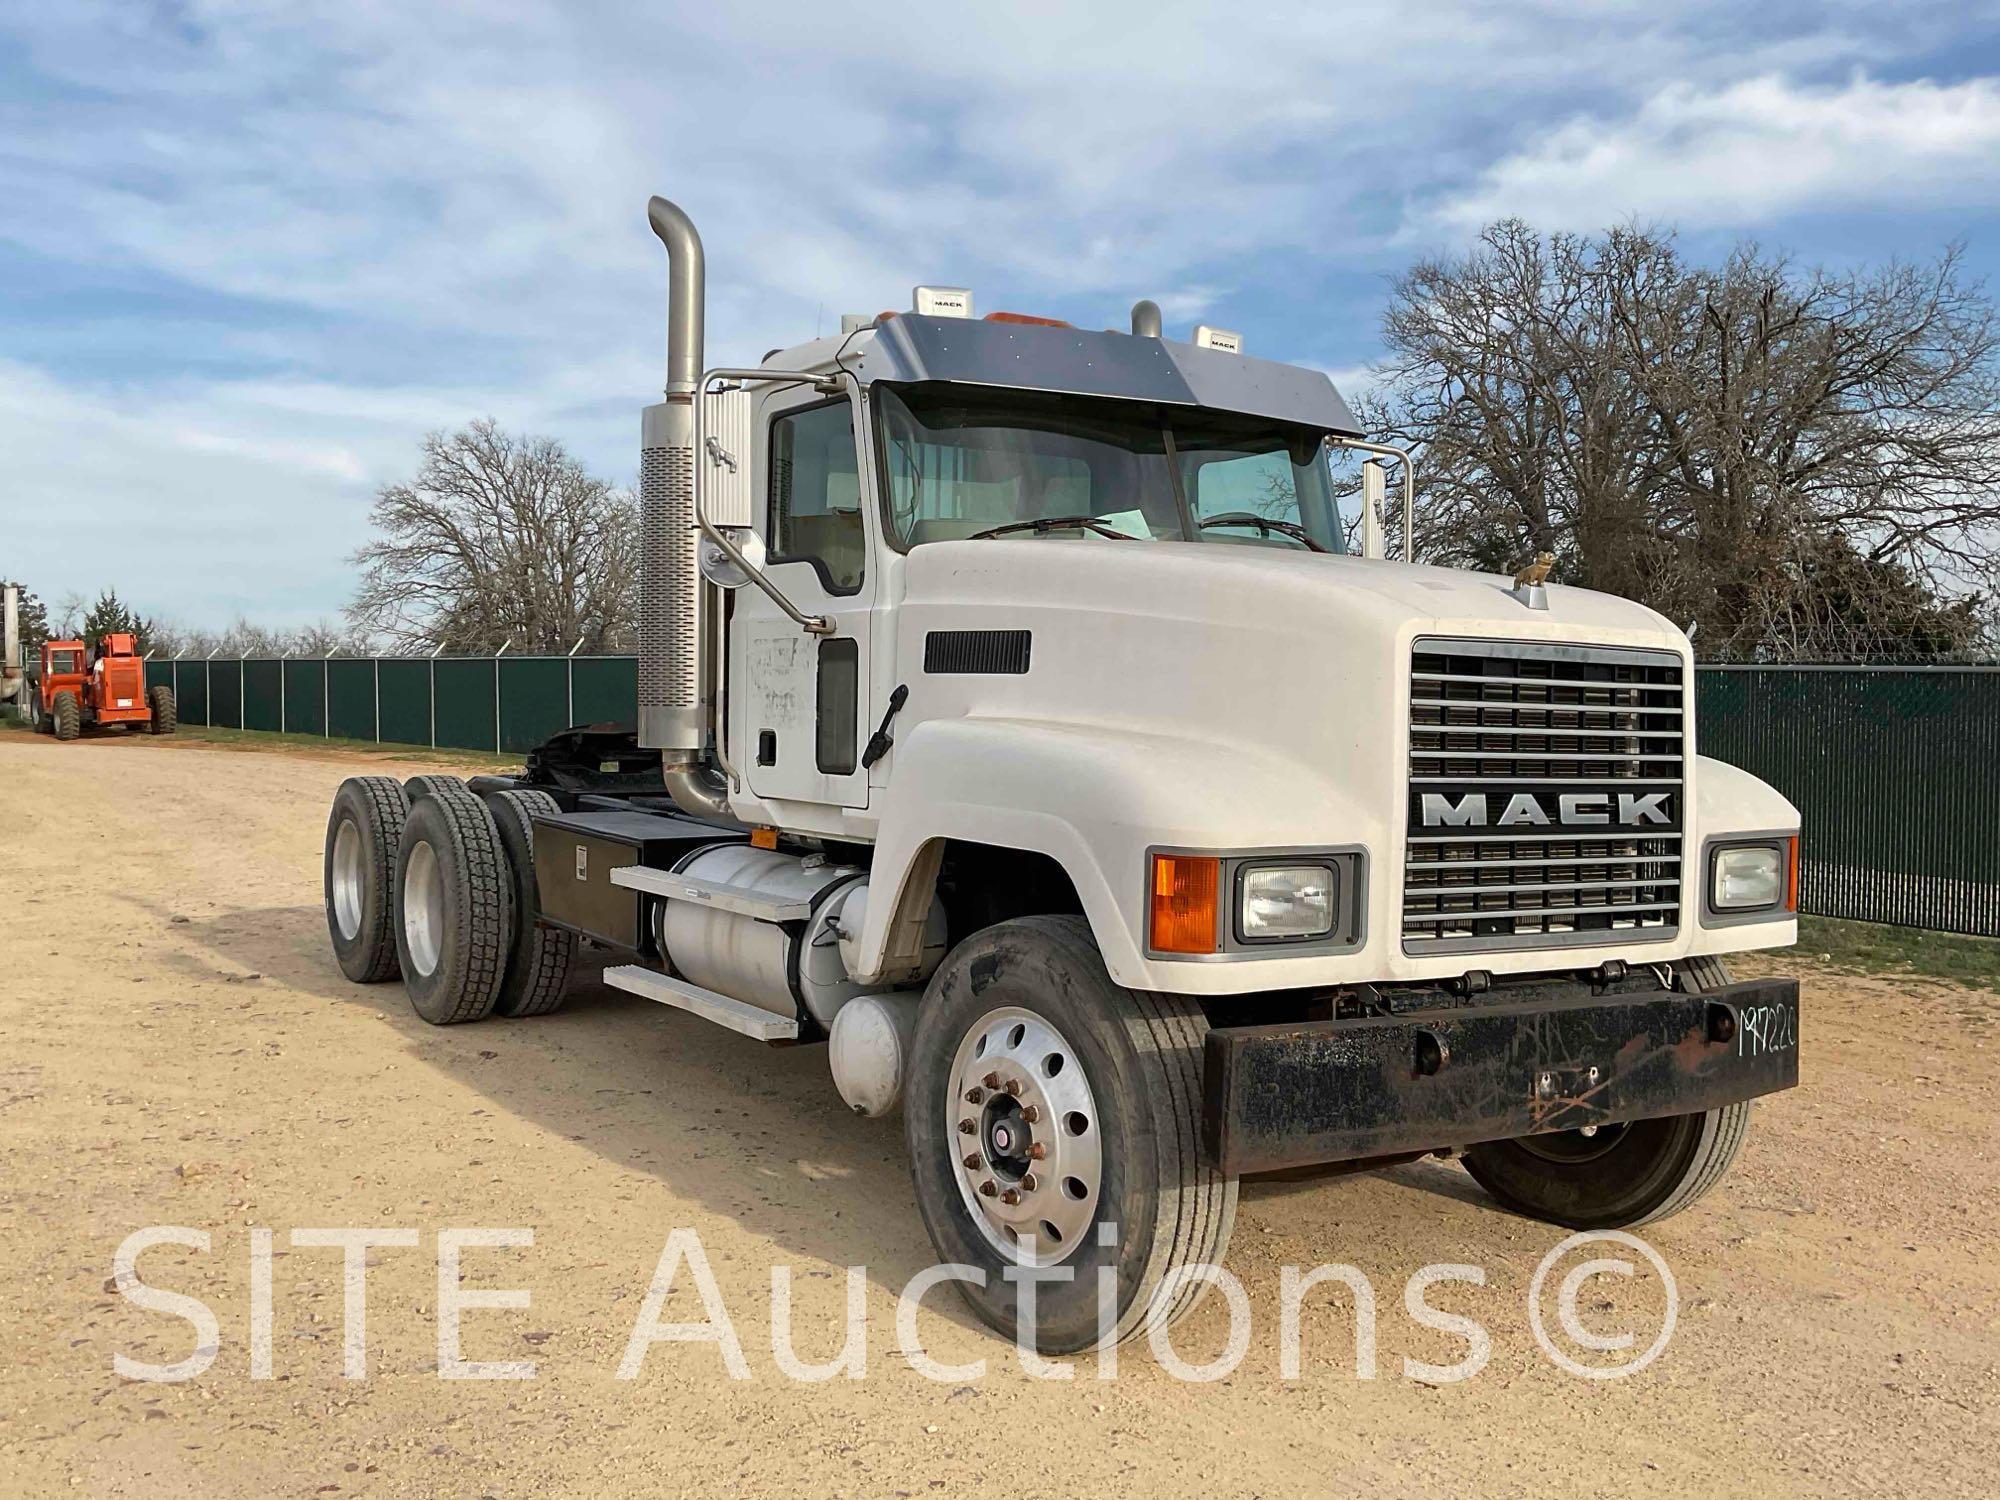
(257, 739)
(1866, 948)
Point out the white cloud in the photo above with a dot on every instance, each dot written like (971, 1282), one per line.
(375, 218)
(1745, 155)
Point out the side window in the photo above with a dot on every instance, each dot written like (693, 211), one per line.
(816, 495)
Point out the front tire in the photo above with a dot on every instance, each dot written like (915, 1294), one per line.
(454, 905)
(68, 717)
(1024, 1041)
(1623, 1175)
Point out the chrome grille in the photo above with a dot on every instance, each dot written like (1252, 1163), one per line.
(1539, 779)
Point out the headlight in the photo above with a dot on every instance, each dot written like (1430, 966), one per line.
(1748, 878)
(1286, 901)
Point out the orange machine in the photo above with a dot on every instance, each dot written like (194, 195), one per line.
(82, 686)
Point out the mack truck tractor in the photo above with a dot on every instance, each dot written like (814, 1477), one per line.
(1016, 723)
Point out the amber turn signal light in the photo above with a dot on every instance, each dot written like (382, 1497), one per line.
(1792, 875)
(1186, 888)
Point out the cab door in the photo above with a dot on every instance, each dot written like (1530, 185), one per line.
(799, 698)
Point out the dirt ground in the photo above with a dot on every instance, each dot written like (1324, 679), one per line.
(178, 1048)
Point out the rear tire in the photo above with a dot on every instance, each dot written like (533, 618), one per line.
(68, 717)
(454, 905)
(166, 716)
(540, 958)
(1625, 1175)
(1114, 1076)
(363, 834)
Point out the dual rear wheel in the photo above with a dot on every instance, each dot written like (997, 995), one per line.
(433, 883)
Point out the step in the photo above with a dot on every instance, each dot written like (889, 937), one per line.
(737, 898)
(748, 1020)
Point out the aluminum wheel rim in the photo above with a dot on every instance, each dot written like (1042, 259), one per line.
(423, 908)
(1023, 1130)
(349, 879)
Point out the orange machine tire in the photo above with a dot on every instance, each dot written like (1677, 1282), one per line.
(68, 717)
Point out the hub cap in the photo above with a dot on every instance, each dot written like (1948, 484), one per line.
(1024, 1137)
(347, 879)
(423, 908)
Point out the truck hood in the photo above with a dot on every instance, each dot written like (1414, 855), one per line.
(1265, 588)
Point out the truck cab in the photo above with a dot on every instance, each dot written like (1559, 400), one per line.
(1034, 734)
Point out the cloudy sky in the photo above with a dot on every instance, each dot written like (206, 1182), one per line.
(250, 252)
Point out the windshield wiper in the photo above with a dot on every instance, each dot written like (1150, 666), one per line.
(1265, 525)
(1050, 523)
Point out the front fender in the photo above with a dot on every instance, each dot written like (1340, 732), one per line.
(1095, 800)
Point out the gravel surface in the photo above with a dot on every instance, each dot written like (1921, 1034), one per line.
(180, 1049)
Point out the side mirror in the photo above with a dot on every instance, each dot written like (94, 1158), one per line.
(1374, 490)
(725, 460)
(722, 570)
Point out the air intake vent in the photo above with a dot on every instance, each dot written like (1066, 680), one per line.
(998, 653)
(1547, 796)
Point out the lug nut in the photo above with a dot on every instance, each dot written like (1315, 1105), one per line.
(987, 1189)
(1014, 1087)
(1028, 1182)
(973, 1096)
(992, 1080)
(966, 1127)
(1037, 1151)
(1031, 1113)
(1010, 1197)
(972, 1162)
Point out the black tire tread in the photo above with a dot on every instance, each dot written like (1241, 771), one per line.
(1725, 1130)
(1204, 1200)
(68, 716)
(477, 861)
(1195, 1205)
(539, 964)
(385, 799)
(165, 717)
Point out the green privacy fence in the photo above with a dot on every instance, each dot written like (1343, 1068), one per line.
(1896, 769)
(507, 703)
(1896, 773)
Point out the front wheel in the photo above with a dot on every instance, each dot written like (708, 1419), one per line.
(68, 717)
(1617, 1176)
(1053, 1120)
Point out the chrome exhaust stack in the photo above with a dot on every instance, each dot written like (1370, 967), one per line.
(13, 675)
(676, 612)
(1146, 319)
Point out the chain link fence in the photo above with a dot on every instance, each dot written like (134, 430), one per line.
(1895, 769)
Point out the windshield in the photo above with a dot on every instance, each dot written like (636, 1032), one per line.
(961, 463)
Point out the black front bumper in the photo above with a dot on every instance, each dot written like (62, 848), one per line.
(1327, 1091)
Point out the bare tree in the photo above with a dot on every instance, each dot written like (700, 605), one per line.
(1798, 461)
(500, 538)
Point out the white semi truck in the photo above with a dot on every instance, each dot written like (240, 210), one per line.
(1015, 722)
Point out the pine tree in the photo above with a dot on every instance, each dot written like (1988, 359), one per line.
(110, 615)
